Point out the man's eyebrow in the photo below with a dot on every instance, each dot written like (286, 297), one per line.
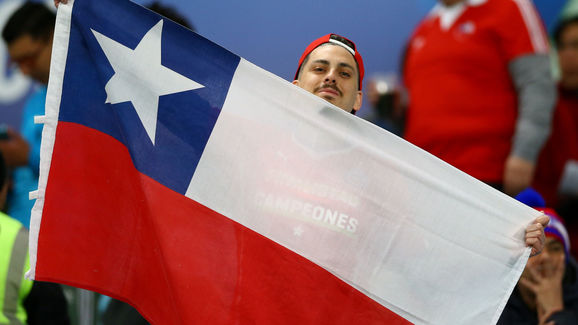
(347, 65)
(321, 61)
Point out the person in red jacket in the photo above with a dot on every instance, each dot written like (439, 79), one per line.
(480, 87)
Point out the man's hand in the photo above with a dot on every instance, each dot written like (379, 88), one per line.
(14, 149)
(545, 281)
(535, 236)
(518, 175)
(56, 2)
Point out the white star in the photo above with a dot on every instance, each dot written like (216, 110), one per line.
(139, 76)
(298, 231)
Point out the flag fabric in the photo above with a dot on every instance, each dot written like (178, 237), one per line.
(201, 189)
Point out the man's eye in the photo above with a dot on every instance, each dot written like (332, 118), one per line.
(555, 248)
(345, 74)
(318, 69)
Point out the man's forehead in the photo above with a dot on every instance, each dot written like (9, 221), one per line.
(332, 54)
(23, 43)
(553, 241)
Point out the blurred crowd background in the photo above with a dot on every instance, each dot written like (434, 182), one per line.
(380, 29)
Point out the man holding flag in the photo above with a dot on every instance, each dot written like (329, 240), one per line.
(185, 168)
(331, 68)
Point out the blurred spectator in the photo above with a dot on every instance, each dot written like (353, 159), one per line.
(557, 169)
(547, 292)
(23, 301)
(480, 87)
(387, 99)
(28, 35)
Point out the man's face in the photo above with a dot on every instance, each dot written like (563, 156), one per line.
(331, 73)
(568, 57)
(546, 266)
(32, 57)
(544, 262)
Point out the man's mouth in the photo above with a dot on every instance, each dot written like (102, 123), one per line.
(328, 90)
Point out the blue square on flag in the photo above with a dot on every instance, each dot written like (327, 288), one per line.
(165, 131)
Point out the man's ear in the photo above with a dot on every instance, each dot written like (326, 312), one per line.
(358, 101)
(295, 82)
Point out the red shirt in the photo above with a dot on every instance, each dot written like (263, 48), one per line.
(463, 104)
(562, 145)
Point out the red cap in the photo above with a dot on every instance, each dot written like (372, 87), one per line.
(337, 40)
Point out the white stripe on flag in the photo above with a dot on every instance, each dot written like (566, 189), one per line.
(420, 237)
(50, 120)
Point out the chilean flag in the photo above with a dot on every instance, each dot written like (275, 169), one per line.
(202, 189)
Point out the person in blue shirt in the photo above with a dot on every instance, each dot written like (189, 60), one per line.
(28, 35)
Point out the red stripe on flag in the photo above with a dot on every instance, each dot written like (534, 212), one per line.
(108, 228)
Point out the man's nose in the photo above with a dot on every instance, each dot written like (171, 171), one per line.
(330, 77)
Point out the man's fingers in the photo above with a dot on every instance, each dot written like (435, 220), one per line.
(543, 220)
(533, 242)
(535, 237)
(528, 284)
(13, 135)
(518, 174)
(534, 234)
(536, 275)
(537, 245)
(56, 2)
(535, 227)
